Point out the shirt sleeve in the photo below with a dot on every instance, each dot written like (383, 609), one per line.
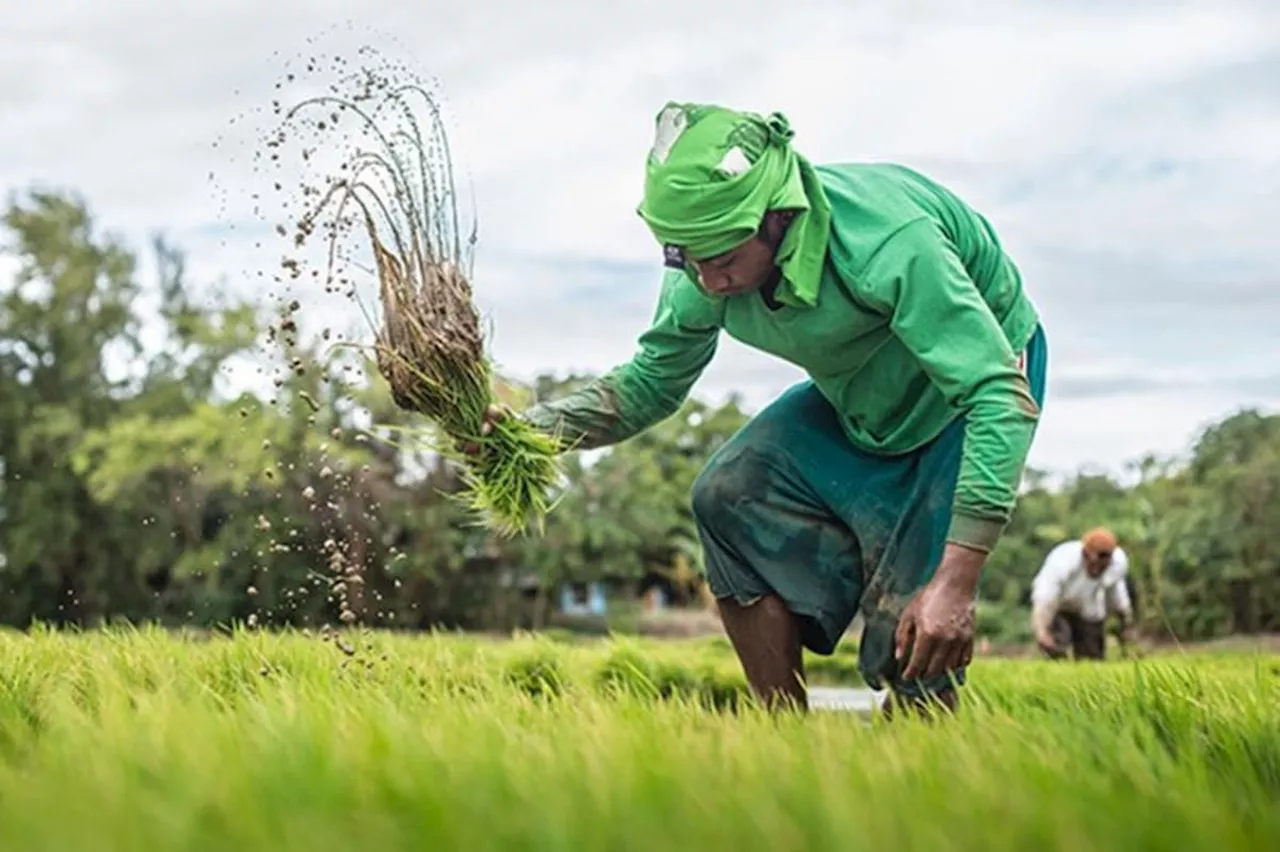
(671, 355)
(935, 309)
(1118, 592)
(1046, 588)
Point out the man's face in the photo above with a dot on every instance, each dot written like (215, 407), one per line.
(744, 269)
(1096, 561)
(747, 268)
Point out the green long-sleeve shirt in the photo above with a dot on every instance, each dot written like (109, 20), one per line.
(918, 319)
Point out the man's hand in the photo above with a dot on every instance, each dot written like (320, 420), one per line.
(1042, 617)
(494, 414)
(939, 620)
(1128, 636)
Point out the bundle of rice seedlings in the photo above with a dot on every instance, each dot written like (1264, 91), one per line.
(429, 345)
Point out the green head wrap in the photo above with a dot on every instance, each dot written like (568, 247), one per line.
(713, 173)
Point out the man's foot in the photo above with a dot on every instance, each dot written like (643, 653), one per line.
(945, 702)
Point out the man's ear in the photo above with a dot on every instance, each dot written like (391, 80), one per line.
(774, 226)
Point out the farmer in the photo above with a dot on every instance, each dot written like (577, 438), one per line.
(1081, 583)
(881, 483)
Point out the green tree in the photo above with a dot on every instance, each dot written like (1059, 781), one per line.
(67, 327)
(135, 484)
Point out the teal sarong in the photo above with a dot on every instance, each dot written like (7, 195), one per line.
(788, 506)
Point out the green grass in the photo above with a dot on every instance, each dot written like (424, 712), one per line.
(122, 740)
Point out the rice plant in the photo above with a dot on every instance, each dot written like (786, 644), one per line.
(429, 344)
(123, 740)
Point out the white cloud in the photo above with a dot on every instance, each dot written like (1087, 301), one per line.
(1126, 154)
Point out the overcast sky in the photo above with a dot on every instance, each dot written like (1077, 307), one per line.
(1128, 153)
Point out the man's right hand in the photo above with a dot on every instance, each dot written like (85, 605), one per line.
(494, 414)
(1046, 642)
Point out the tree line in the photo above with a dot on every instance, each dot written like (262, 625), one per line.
(132, 488)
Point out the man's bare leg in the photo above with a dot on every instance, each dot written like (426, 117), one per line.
(766, 638)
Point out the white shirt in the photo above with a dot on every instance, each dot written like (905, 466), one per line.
(1063, 585)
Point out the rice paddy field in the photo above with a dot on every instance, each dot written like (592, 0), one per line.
(131, 740)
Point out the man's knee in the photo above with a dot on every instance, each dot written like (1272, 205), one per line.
(712, 499)
(707, 493)
(720, 486)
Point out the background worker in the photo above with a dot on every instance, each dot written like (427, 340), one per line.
(1081, 583)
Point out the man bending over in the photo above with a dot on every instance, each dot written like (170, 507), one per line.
(1080, 584)
(882, 482)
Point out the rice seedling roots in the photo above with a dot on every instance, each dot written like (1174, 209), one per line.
(399, 193)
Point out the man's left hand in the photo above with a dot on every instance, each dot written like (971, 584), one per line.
(939, 621)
